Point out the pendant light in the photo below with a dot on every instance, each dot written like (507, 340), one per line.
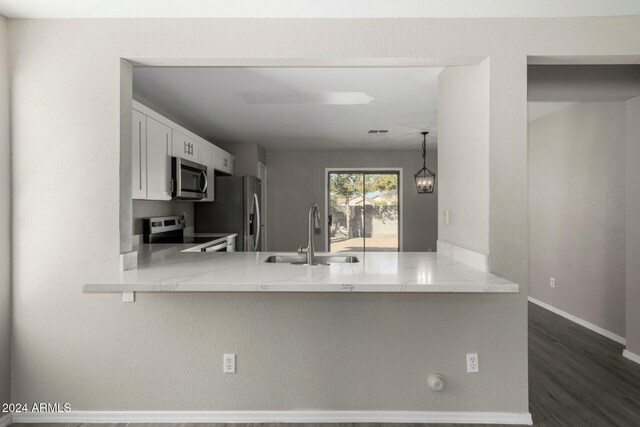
(425, 179)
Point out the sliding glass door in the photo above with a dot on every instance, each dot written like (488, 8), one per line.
(364, 211)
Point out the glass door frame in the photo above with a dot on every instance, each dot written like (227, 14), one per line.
(371, 171)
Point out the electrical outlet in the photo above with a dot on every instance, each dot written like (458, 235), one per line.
(552, 282)
(472, 363)
(229, 364)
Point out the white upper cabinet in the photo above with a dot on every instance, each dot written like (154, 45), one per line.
(185, 147)
(222, 160)
(139, 155)
(158, 160)
(155, 139)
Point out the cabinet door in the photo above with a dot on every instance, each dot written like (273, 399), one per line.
(185, 147)
(158, 160)
(139, 155)
(223, 161)
(207, 158)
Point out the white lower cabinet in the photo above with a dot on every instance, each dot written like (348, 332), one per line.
(158, 160)
(139, 155)
(231, 244)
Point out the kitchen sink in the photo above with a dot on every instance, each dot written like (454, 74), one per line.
(320, 259)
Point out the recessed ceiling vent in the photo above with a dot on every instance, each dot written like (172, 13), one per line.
(378, 131)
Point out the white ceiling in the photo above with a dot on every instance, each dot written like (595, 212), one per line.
(315, 8)
(297, 107)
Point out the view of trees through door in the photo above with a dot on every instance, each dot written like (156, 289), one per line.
(364, 211)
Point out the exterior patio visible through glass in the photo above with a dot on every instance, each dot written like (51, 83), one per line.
(364, 211)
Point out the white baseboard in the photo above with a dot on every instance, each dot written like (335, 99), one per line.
(521, 418)
(465, 256)
(631, 356)
(579, 321)
(5, 420)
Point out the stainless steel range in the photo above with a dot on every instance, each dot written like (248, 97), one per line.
(170, 229)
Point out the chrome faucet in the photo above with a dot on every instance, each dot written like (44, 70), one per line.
(314, 227)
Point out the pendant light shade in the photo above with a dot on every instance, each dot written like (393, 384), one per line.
(425, 179)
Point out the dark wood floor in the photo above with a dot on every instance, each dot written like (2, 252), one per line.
(576, 378)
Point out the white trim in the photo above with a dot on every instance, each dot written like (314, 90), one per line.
(579, 321)
(471, 258)
(400, 198)
(522, 418)
(262, 166)
(631, 356)
(5, 420)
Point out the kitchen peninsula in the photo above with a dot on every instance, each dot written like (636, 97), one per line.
(164, 268)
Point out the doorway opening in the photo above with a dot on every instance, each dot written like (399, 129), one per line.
(364, 210)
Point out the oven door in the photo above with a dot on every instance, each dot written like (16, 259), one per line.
(188, 179)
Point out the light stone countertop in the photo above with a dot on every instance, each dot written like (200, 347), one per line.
(163, 268)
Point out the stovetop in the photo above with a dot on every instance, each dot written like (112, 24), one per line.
(170, 229)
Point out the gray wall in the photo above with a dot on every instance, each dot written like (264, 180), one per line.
(632, 219)
(148, 208)
(583, 83)
(463, 156)
(68, 81)
(5, 220)
(296, 178)
(577, 212)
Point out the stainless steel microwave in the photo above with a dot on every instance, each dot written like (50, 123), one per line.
(189, 180)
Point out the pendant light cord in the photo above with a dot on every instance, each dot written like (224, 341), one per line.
(424, 151)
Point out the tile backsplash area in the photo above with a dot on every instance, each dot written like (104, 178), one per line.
(149, 208)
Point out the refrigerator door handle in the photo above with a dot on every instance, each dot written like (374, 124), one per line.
(256, 204)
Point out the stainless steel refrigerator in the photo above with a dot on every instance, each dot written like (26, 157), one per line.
(237, 209)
